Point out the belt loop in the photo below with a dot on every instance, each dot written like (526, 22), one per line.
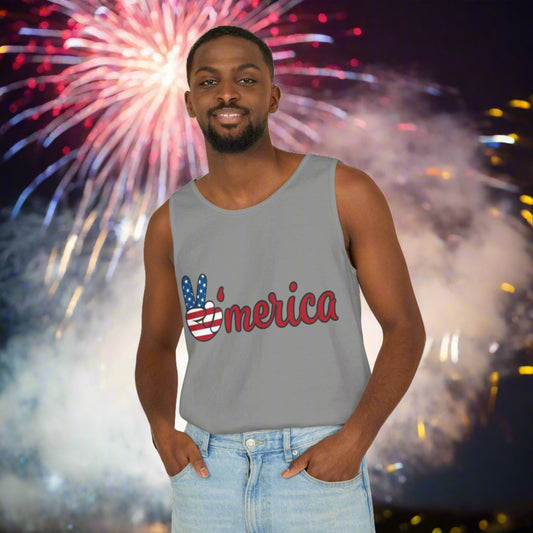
(287, 444)
(204, 444)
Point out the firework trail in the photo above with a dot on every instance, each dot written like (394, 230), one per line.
(118, 71)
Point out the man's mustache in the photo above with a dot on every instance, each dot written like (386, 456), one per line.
(226, 106)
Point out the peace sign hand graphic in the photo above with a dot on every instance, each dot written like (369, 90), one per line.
(203, 318)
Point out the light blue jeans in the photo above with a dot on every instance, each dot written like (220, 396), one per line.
(245, 493)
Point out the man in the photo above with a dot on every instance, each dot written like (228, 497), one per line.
(262, 259)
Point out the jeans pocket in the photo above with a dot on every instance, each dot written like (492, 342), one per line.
(181, 473)
(339, 484)
(317, 436)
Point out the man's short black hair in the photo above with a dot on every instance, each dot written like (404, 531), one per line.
(234, 31)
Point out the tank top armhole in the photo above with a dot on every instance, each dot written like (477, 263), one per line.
(173, 231)
(337, 227)
(172, 221)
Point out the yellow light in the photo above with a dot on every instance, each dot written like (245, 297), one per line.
(501, 518)
(416, 520)
(392, 467)
(421, 428)
(444, 348)
(492, 399)
(494, 112)
(522, 104)
(525, 370)
(507, 287)
(74, 301)
(387, 513)
(3, 49)
(528, 216)
(96, 253)
(526, 199)
(88, 224)
(456, 529)
(494, 377)
(445, 175)
(50, 266)
(437, 530)
(513, 136)
(495, 212)
(53, 288)
(67, 252)
(483, 524)
(496, 160)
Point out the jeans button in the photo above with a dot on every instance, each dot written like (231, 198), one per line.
(250, 443)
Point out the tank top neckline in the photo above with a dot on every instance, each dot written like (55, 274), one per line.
(254, 207)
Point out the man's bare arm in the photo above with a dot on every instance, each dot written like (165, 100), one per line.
(156, 374)
(374, 251)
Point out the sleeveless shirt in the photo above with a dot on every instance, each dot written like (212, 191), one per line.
(271, 307)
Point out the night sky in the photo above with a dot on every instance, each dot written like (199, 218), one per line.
(482, 47)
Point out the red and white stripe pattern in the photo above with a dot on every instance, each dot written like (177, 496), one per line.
(204, 322)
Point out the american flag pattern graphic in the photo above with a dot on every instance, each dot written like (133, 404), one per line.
(203, 318)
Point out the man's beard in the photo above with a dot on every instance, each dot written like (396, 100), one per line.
(234, 144)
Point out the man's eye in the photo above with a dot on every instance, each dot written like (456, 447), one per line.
(247, 81)
(206, 83)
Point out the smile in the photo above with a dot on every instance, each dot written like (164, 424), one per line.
(229, 116)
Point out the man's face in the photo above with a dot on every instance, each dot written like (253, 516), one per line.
(231, 93)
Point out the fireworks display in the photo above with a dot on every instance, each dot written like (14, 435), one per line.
(507, 142)
(98, 86)
(116, 72)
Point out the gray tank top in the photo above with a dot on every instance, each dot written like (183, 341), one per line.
(271, 307)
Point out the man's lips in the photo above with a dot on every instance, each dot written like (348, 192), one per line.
(228, 115)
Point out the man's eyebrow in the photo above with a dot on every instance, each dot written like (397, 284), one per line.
(240, 67)
(207, 69)
(248, 65)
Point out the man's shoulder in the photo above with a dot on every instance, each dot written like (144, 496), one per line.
(350, 181)
(160, 218)
(158, 238)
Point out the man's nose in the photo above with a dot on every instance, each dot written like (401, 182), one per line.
(227, 92)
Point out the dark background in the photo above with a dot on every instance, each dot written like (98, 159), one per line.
(482, 47)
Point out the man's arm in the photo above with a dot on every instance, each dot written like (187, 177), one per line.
(373, 248)
(375, 252)
(156, 374)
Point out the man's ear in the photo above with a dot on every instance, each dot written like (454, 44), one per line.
(274, 99)
(188, 104)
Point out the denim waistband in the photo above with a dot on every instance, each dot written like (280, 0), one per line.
(261, 441)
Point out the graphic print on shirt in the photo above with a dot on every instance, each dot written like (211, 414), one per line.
(204, 319)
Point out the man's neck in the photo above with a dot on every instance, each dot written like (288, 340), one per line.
(237, 181)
